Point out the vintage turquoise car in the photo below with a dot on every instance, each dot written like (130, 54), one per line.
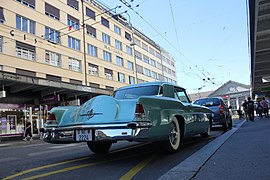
(149, 112)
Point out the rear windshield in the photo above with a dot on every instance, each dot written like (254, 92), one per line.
(133, 93)
(208, 102)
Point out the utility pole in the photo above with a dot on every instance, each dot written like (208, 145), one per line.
(84, 48)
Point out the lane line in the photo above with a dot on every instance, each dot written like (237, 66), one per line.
(43, 167)
(137, 168)
(74, 168)
(65, 162)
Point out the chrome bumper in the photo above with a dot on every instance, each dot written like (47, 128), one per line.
(135, 131)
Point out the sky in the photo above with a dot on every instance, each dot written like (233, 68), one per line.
(208, 39)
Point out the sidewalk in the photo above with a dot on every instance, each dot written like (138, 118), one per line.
(241, 153)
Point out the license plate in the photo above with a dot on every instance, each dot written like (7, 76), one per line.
(84, 135)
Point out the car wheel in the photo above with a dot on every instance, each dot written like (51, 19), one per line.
(225, 126)
(99, 147)
(207, 133)
(174, 139)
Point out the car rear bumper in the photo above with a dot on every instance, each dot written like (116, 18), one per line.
(135, 131)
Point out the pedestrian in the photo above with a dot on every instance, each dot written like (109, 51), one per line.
(245, 108)
(28, 131)
(250, 109)
(240, 113)
(259, 110)
(265, 104)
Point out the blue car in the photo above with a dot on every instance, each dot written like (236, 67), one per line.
(220, 112)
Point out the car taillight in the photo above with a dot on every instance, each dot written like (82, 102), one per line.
(51, 119)
(139, 112)
(222, 110)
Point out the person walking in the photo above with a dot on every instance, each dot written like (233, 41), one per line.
(28, 131)
(245, 108)
(259, 110)
(265, 105)
(250, 109)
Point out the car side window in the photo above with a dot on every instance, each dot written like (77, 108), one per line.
(181, 95)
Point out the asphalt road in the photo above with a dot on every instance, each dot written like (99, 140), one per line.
(36, 159)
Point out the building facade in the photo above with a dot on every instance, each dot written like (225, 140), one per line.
(259, 19)
(63, 52)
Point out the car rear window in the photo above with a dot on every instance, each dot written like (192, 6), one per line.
(135, 92)
(208, 102)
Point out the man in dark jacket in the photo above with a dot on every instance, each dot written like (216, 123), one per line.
(250, 109)
(28, 131)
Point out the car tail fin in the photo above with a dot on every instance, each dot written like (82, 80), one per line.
(139, 112)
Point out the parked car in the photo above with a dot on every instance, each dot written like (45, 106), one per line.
(149, 112)
(221, 113)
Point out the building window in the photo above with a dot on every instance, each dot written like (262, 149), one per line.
(1, 44)
(108, 73)
(25, 51)
(94, 85)
(138, 55)
(52, 35)
(127, 36)
(128, 50)
(137, 42)
(107, 56)
(73, 43)
(73, 3)
(75, 81)
(121, 77)
(90, 13)
(105, 22)
(106, 38)
(28, 3)
(159, 66)
(53, 78)
(25, 24)
(52, 11)
(73, 22)
(110, 88)
(160, 77)
(130, 65)
(153, 62)
(151, 50)
(52, 58)
(140, 81)
(139, 69)
(147, 72)
(172, 63)
(117, 30)
(146, 59)
(131, 80)
(2, 17)
(91, 31)
(158, 55)
(144, 46)
(74, 64)
(92, 50)
(119, 61)
(93, 69)
(118, 45)
(154, 75)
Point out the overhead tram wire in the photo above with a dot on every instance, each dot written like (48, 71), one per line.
(130, 7)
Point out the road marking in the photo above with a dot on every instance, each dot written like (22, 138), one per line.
(43, 167)
(137, 168)
(73, 168)
(51, 151)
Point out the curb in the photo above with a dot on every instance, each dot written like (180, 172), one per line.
(188, 168)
